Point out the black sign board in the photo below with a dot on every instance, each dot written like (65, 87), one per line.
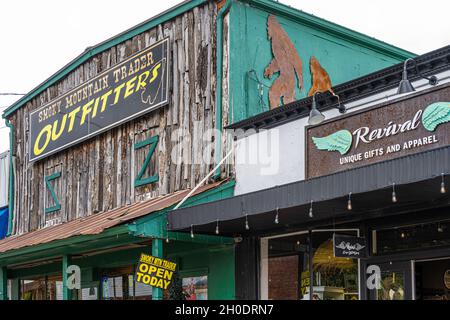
(131, 88)
(349, 247)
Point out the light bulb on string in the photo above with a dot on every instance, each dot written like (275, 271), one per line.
(443, 190)
(217, 227)
(394, 195)
(167, 232)
(311, 213)
(277, 221)
(349, 202)
(192, 231)
(247, 226)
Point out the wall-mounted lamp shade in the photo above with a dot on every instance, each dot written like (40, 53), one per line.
(315, 117)
(405, 85)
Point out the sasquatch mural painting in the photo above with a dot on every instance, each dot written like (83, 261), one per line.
(321, 81)
(286, 61)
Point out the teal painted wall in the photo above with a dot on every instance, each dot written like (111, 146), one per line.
(250, 49)
(217, 262)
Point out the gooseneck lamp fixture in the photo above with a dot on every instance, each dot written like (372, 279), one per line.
(405, 85)
(315, 116)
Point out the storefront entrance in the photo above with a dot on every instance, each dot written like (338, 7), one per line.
(395, 282)
(413, 260)
(287, 260)
(432, 278)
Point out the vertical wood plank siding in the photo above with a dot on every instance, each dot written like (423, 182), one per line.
(98, 175)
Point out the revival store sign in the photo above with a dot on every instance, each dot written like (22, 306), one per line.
(131, 88)
(388, 131)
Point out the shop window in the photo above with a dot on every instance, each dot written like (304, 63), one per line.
(195, 288)
(45, 288)
(286, 265)
(392, 285)
(120, 284)
(334, 278)
(89, 293)
(414, 237)
(287, 268)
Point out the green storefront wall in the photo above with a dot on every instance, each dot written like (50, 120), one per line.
(204, 255)
(344, 53)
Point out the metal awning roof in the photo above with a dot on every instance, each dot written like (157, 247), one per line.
(97, 223)
(417, 179)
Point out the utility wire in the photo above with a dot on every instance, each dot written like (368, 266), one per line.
(12, 94)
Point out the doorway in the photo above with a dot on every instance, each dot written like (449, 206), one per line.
(395, 282)
(432, 279)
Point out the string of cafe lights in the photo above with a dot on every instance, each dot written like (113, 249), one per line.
(394, 199)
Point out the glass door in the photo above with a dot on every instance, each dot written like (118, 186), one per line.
(293, 265)
(395, 282)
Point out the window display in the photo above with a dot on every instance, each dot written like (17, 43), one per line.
(195, 288)
(286, 265)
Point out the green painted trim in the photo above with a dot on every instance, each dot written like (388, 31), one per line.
(219, 86)
(155, 224)
(157, 251)
(326, 26)
(50, 188)
(153, 142)
(65, 244)
(11, 177)
(3, 283)
(67, 294)
(92, 51)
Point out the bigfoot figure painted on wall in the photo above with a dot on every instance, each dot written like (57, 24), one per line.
(286, 61)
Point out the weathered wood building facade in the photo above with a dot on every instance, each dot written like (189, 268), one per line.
(99, 175)
(123, 180)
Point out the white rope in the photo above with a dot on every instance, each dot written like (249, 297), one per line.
(205, 179)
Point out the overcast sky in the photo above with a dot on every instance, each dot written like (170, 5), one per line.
(40, 37)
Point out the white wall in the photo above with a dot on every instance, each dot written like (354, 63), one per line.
(277, 156)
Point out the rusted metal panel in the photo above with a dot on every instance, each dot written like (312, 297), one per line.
(97, 223)
(321, 81)
(409, 125)
(286, 61)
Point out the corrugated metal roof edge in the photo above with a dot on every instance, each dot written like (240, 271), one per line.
(115, 228)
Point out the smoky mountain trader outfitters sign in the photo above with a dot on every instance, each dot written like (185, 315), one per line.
(388, 131)
(129, 89)
(154, 271)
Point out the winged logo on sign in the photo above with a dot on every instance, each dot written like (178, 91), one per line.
(436, 114)
(348, 246)
(340, 141)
